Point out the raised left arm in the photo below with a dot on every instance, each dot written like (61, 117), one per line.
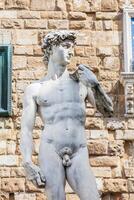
(102, 101)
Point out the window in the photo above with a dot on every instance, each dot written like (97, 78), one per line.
(5, 80)
(128, 66)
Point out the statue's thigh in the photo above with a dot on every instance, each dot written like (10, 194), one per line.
(53, 170)
(81, 178)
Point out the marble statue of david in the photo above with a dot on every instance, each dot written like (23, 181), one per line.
(60, 100)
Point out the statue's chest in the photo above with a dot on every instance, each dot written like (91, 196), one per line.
(58, 91)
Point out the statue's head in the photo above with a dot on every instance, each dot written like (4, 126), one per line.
(59, 44)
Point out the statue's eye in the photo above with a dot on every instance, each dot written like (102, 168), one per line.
(66, 45)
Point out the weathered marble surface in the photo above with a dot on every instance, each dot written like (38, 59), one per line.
(59, 98)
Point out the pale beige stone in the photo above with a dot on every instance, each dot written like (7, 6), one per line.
(106, 76)
(51, 14)
(61, 5)
(37, 50)
(68, 189)
(131, 185)
(77, 24)
(112, 63)
(83, 38)
(131, 196)
(12, 23)
(77, 15)
(40, 196)
(117, 171)
(116, 51)
(36, 146)
(115, 124)
(108, 25)
(111, 5)
(81, 6)
(116, 148)
(95, 5)
(35, 62)
(8, 160)
(130, 124)
(104, 161)
(1, 124)
(99, 134)
(99, 38)
(3, 147)
(18, 4)
(95, 123)
(5, 36)
(72, 197)
(17, 172)
(102, 172)
(106, 15)
(26, 75)
(4, 195)
(23, 50)
(129, 172)
(90, 61)
(28, 14)
(34, 23)
(99, 25)
(19, 62)
(58, 24)
(115, 185)
(128, 135)
(7, 134)
(90, 51)
(21, 86)
(25, 196)
(30, 187)
(9, 123)
(8, 14)
(11, 147)
(98, 147)
(26, 37)
(13, 184)
(43, 5)
(2, 4)
(79, 51)
(4, 172)
(90, 112)
(119, 134)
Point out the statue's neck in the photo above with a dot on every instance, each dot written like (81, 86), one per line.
(55, 70)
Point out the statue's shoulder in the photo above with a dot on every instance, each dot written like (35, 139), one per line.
(32, 89)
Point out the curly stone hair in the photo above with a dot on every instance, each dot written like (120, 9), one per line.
(55, 38)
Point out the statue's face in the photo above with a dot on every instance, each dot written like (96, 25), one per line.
(62, 53)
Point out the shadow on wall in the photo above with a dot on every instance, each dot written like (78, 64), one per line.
(118, 98)
(112, 196)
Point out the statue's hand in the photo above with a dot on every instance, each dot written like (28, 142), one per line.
(86, 76)
(34, 174)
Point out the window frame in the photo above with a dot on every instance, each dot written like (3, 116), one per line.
(128, 13)
(6, 109)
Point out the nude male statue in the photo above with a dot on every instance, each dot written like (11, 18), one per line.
(59, 98)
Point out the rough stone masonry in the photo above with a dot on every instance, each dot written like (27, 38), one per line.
(99, 44)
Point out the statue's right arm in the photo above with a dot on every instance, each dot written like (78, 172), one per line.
(27, 124)
(33, 171)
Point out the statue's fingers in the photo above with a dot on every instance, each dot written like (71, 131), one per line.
(81, 67)
(42, 177)
(80, 72)
(39, 182)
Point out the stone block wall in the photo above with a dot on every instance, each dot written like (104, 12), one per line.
(98, 24)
